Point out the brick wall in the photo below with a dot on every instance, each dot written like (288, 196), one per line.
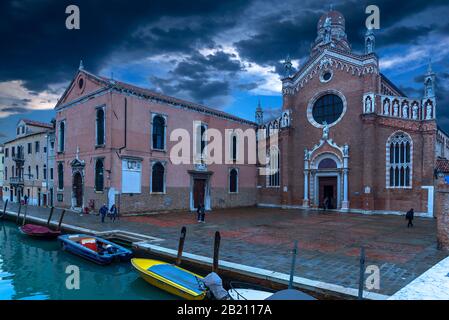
(442, 215)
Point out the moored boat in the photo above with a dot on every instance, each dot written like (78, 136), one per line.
(171, 278)
(37, 231)
(95, 249)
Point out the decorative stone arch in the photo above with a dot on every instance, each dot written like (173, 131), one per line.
(78, 178)
(326, 149)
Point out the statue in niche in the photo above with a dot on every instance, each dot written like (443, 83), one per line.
(415, 112)
(405, 111)
(386, 107)
(368, 105)
(428, 111)
(395, 109)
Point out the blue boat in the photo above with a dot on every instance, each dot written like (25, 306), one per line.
(93, 248)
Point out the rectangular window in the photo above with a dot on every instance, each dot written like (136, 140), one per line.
(45, 173)
(51, 173)
(29, 148)
(37, 172)
(36, 146)
(100, 126)
(6, 152)
(60, 197)
(13, 151)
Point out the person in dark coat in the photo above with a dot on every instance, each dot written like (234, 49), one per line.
(113, 212)
(103, 212)
(201, 213)
(409, 217)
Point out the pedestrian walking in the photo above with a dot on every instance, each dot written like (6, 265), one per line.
(201, 213)
(409, 217)
(113, 212)
(103, 212)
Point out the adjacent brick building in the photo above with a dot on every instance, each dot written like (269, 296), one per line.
(114, 142)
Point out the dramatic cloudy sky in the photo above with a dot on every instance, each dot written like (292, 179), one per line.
(225, 54)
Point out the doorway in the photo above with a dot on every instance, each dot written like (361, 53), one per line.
(328, 189)
(199, 191)
(78, 190)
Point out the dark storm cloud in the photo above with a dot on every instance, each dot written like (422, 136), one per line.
(201, 77)
(15, 109)
(41, 51)
(286, 33)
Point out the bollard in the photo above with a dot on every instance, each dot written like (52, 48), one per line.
(216, 251)
(362, 272)
(292, 270)
(181, 245)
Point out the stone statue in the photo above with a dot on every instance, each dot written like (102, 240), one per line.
(396, 109)
(368, 105)
(345, 150)
(306, 154)
(415, 112)
(325, 130)
(428, 111)
(386, 107)
(405, 111)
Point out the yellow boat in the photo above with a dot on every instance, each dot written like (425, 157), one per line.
(171, 278)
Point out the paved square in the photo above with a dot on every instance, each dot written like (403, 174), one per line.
(329, 242)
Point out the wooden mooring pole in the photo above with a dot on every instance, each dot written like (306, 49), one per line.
(181, 245)
(49, 217)
(18, 212)
(216, 251)
(60, 220)
(362, 272)
(292, 270)
(25, 215)
(4, 209)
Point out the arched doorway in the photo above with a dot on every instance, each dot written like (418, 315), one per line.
(326, 169)
(77, 190)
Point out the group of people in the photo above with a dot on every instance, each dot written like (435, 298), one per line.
(112, 213)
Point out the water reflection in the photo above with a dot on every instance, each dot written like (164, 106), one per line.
(35, 269)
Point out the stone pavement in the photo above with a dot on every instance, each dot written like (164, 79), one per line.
(329, 242)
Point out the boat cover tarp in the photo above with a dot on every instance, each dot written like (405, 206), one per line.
(35, 229)
(178, 276)
(290, 294)
(215, 285)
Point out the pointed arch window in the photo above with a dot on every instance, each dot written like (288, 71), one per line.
(274, 168)
(234, 147)
(158, 132)
(60, 176)
(233, 180)
(399, 161)
(100, 127)
(61, 137)
(99, 175)
(157, 178)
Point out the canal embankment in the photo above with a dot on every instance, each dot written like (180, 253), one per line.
(145, 245)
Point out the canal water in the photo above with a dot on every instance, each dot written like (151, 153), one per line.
(33, 269)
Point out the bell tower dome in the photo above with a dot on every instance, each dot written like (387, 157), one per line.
(331, 32)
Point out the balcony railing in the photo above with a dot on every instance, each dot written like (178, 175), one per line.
(18, 157)
(16, 180)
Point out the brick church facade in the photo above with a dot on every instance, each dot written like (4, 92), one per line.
(355, 140)
(347, 137)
